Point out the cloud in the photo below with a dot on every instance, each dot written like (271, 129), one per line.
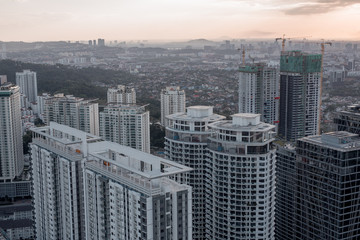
(318, 6)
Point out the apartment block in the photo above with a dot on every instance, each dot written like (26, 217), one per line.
(121, 95)
(172, 101)
(259, 87)
(71, 111)
(11, 146)
(186, 143)
(240, 179)
(128, 125)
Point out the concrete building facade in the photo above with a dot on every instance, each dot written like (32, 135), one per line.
(121, 95)
(172, 101)
(72, 111)
(240, 179)
(11, 146)
(259, 91)
(27, 82)
(186, 143)
(128, 125)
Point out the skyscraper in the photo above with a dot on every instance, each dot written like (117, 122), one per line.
(172, 101)
(299, 94)
(86, 188)
(27, 82)
(121, 95)
(285, 190)
(129, 195)
(349, 119)
(259, 91)
(71, 111)
(11, 147)
(327, 187)
(240, 179)
(128, 125)
(186, 143)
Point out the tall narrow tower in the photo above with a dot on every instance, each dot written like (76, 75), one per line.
(27, 82)
(299, 94)
(240, 179)
(172, 101)
(11, 149)
(259, 91)
(186, 143)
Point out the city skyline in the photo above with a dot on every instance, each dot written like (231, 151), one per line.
(40, 20)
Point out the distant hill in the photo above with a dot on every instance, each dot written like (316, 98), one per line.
(200, 41)
(58, 78)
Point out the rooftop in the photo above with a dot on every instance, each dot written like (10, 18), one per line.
(340, 140)
(197, 113)
(135, 161)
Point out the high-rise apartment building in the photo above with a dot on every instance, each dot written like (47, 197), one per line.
(85, 188)
(299, 94)
(71, 111)
(186, 143)
(27, 82)
(129, 195)
(285, 190)
(349, 119)
(327, 187)
(240, 179)
(128, 125)
(11, 146)
(259, 91)
(121, 95)
(172, 101)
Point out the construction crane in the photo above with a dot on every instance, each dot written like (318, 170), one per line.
(242, 49)
(283, 38)
(321, 79)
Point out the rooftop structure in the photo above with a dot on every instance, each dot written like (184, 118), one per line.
(349, 119)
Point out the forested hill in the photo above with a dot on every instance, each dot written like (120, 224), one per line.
(82, 82)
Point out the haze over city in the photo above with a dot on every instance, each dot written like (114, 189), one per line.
(42, 20)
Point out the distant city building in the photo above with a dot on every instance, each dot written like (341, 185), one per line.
(101, 42)
(186, 143)
(86, 188)
(128, 195)
(11, 145)
(128, 125)
(172, 101)
(121, 95)
(27, 82)
(259, 91)
(3, 79)
(327, 187)
(90, 42)
(240, 179)
(299, 94)
(72, 111)
(349, 119)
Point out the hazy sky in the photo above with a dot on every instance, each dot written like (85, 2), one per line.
(31, 20)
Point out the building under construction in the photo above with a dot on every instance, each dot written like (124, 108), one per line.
(259, 91)
(300, 80)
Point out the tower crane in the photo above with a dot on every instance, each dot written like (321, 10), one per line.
(321, 79)
(242, 49)
(283, 38)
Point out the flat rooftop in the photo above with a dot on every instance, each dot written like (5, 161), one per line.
(340, 140)
(134, 161)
